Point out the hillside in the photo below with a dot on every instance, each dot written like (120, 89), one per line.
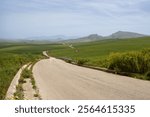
(116, 35)
(123, 34)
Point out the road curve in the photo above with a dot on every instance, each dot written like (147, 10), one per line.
(57, 79)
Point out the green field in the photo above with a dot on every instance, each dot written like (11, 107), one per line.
(97, 51)
(14, 55)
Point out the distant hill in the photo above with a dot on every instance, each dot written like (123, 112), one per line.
(123, 34)
(116, 35)
(73, 39)
(52, 38)
(39, 39)
(92, 37)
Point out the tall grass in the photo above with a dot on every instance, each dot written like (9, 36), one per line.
(9, 65)
(131, 62)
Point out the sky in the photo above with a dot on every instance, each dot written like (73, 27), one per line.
(32, 18)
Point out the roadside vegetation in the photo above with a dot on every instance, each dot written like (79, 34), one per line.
(19, 94)
(9, 65)
(136, 63)
(26, 74)
(131, 56)
(12, 57)
(121, 55)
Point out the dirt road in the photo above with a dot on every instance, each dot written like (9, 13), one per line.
(57, 79)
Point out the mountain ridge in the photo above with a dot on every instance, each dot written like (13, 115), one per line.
(116, 35)
(72, 39)
(125, 34)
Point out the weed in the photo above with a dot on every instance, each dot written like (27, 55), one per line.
(36, 95)
(18, 95)
(81, 61)
(147, 75)
(26, 73)
(21, 80)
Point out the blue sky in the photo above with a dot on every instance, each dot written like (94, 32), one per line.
(29, 18)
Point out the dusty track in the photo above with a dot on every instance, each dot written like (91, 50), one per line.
(57, 79)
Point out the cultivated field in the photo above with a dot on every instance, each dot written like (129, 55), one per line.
(14, 55)
(118, 55)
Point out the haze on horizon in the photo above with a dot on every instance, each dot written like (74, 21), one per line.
(29, 18)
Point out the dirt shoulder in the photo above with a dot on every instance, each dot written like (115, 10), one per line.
(12, 88)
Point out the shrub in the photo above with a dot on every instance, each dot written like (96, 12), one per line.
(132, 62)
(147, 75)
(81, 61)
(69, 61)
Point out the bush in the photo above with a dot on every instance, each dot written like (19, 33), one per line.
(147, 75)
(132, 62)
(81, 61)
(69, 61)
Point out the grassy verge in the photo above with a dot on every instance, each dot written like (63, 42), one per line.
(126, 56)
(135, 62)
(18, 95)
(10, 62)
(34, 84)
(9, 65)
(26, 73)
(15, 55)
